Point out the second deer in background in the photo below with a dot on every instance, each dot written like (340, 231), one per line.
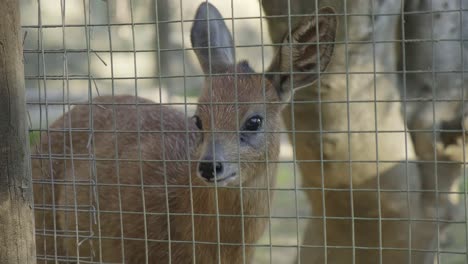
(355, 155)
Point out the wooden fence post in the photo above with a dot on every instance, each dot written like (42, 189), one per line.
(16, 214)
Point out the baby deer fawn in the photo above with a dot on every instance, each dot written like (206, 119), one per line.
(160, 187)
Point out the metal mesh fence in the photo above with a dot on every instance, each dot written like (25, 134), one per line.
(140, 155)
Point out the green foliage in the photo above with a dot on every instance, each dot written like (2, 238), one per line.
(34, 137)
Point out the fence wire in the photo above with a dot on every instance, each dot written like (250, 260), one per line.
(372, 161)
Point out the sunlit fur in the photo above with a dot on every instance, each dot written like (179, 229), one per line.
(128, 162)
(179, 145)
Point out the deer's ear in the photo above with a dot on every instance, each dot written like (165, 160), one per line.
(211, 40)
(304, 53)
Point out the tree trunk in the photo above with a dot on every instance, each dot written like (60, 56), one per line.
(435, 72)
(16, 216)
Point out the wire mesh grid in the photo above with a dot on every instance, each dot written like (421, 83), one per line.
(371, 168)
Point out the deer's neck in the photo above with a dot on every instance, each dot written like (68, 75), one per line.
(251, 198)
(229, 215)
(226, 215)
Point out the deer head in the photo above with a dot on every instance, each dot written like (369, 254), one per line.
(239, 110)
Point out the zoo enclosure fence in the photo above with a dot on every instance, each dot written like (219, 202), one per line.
(76, 50)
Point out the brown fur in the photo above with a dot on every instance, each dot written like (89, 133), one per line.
(368, 200)
(116, 169)
(108, 146)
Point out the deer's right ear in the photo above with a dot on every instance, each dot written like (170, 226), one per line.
(299, 60)
(211, 40)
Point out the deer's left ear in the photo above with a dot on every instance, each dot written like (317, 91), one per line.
(309, 48)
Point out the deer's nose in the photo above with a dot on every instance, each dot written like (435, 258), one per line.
(209, 169)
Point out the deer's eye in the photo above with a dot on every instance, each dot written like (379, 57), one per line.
(198, 122)
(253, 124)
